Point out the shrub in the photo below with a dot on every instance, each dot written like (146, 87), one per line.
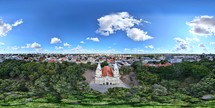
(53, 97)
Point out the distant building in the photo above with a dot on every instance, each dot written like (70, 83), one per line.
(191, 58)
(175, 60)
(1, 58)
(107, 75)
(148, 60)
(158, 65)
(209, 57)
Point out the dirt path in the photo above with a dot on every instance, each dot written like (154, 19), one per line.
(130, 79)
(89, 75)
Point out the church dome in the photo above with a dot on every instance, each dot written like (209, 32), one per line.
(107, 71)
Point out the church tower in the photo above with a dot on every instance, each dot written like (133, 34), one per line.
(116, 70)
(107, 75)
(98, 70)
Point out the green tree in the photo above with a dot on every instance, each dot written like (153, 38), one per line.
(105, 63)
(125, 70)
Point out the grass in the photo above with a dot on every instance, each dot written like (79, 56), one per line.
(90, 101)
(67, 103)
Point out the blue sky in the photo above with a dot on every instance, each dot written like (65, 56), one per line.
(107, 26)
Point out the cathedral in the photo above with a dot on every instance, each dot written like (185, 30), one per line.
(107, 75)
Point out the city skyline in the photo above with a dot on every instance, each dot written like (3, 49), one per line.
(124, 26)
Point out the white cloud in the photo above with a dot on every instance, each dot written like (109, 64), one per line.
(55, 40)
(117, 21)
(38, 49)
(149, 46)
(126, 49)
(93, 39)
(138, 35)
(5, 28)
(58, 47)
(111, 23)
(140, 51)
(196, 39)
(203, 47)
(189, 40)
(147, 22)
(15, 48)
(1, 43)
(78, 48)
(18, 22)
(135, 50)
(34, 45)
(202, 25)
(67, 44)
(212, 43)
(82, 42)
(182, 44)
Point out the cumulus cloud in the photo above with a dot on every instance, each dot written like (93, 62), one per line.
(58, 47)
(67, 44)
(203, 47)
(117, 21)
(1, 43)
(5, 28)
(34, 45)
(111, 23)
(202, 25)
(138, 35)
(55, 40)
(182, 44)
(93, 39)
(149, 46)
(82, 42)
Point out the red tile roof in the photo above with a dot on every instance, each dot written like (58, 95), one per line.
(107, 71)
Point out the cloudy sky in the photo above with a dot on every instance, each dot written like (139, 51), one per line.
(107, 26)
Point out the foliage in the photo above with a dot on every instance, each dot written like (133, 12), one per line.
(205, 86)
(125, 70)
(181, 84)
(105, 63)
(53, 97)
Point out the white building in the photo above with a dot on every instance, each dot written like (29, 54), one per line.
(175, 60)
(107, 75)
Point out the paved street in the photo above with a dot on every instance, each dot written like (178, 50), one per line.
(104, 88)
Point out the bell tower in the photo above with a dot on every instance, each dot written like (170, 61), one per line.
(98, 70)
(116, 70)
